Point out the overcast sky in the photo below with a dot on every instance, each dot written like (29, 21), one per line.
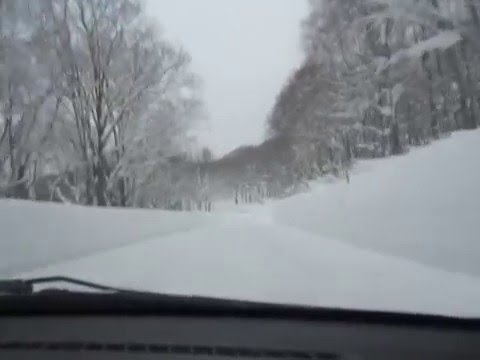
(244, 51)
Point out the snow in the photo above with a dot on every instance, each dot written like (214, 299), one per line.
(401, 236)
(397, 93)
(423, 206)
(255, 261)
(441, 41)
(35, 234)
(385, 110)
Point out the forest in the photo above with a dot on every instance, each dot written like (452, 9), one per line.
(97, 108)
(379, 77)
(93, 102)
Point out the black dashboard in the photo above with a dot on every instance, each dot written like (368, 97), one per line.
(209, 330)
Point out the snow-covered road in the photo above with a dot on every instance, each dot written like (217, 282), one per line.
(362, 245)
(246, 259)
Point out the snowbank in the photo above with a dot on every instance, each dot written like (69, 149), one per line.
(36, 234)
(424, 206)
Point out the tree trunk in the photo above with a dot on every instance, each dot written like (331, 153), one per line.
(453, 62)
(100, 175)
(122, 192)
(474, 14)
(431, 99)
(20, 189)
(472, 99)
(395, 142)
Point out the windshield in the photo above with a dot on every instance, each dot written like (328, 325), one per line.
(315, 153)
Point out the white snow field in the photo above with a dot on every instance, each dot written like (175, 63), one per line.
(424, 206)
(33, 235)
(363, 245)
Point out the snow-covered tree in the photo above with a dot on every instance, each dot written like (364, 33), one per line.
(28, 101)
(93, 97)
(380, 76)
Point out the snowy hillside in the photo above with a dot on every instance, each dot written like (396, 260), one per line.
(424, 206)
(363, 245)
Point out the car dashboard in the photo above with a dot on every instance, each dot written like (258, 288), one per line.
(108, 327)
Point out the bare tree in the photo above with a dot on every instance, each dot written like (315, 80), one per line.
(123, 93)
(28, 103)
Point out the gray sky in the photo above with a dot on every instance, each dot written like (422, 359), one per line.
(244, 51)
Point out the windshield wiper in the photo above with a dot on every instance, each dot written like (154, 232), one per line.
(21, 298)
(27, 286)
